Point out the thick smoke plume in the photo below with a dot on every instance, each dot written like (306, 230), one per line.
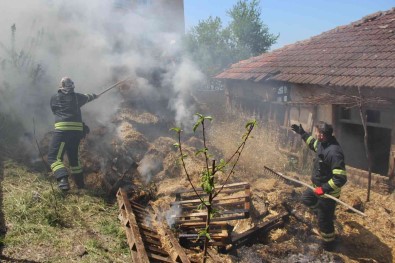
(94, 42)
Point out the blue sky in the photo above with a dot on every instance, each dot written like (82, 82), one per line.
(294, 20)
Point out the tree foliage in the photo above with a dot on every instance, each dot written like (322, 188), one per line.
(249, 34)
(215, 47)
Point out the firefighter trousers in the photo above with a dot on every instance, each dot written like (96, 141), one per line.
(325, 211)
(65, 142)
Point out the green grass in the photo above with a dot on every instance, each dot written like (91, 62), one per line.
(45, 225)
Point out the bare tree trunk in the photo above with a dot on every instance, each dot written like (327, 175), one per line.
(365, 139)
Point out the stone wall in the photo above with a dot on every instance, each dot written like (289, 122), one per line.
(379, 183)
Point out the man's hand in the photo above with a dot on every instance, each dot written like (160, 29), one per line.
(298, 129)
(319, 191)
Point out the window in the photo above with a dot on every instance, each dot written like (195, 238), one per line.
(345, 113)
(373, 116)
(283, 94)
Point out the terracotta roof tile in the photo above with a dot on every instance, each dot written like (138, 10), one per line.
(359, 54)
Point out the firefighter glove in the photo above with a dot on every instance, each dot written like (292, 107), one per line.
(319, 191)
(298, 129)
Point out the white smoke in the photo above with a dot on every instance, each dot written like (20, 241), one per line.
(184, 82)
(170, 215)
(95, 43)
(149, 167)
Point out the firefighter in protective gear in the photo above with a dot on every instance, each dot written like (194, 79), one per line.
(329, 175)
(69, 130)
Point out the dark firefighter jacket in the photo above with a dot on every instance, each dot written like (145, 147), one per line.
(66, 108)
(329, 169)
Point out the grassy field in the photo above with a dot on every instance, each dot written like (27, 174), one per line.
(41, 224)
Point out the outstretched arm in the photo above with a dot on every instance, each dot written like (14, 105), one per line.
(310, 141)
(85, 98)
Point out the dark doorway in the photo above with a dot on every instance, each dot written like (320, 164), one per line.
(379, 142)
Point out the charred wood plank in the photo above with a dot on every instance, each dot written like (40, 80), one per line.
(140, 210)
(149, 240)
(150, 234)
(135, 204)
(159, 258)
(148, 229)
(157, 250)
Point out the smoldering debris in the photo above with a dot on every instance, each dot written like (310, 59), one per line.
(50, 39)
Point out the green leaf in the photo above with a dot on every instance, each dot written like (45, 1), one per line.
(208, 118)
(203, 150)
(250, 124)
(199, 115)
(177, 145)
(202, 232)
(176, 129)
(198, 122)
(221, 165)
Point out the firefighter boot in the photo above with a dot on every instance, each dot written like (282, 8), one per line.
(329, 246)
(79, 180)
(63, 184)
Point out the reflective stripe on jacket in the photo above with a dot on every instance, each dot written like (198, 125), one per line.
(329, 169)
(66, 108)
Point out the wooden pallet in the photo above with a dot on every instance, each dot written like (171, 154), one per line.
(143, 239)
(233, 203)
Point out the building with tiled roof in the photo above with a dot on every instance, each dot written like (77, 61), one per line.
(360, 54)
(328, 77)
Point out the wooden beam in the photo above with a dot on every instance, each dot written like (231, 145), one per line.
(131, 223)
(177, 253)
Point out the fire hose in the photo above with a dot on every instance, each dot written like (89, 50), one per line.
(273, 173)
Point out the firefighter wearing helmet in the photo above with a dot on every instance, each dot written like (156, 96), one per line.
(69, 130)
(328, 176)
